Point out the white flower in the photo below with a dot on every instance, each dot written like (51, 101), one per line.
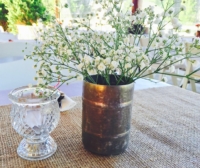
(114, 65)
(135, 49)
(174, 20)
(108, 11)
(125, 40)
(132, 18)
(170, 12)
(99, 9)
(132, 55)
(131, 39)
(103, 52)
(127, 50)
(122, 46)
(107, 61)
(128, 59)
(92, 72)
(128, 65)
(167, 62)
(142, 15)
(144, 56)
(99, 43)
(79, 77)
(69, 52)
(131, 71)
(178, 25)
(25, 57)
(30, 85)
(44, 72)
(182, 8)
(97, 60)
(151, 8)
(87, 59)
(118, 71)
(162, 33)
(79, 66)
(101, 67)
(40, 81)
(165, 54)
(111, 19)
(119, 51)
(157, 20)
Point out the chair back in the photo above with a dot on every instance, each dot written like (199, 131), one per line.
(27, 32)
(192, 50)
(190, 67)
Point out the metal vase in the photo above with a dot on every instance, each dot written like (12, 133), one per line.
(106, 117)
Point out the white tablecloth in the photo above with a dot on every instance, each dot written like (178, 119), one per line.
(75, 89)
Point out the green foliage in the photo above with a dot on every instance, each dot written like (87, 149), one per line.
(3, 13)
(50, 6)
(24, 12)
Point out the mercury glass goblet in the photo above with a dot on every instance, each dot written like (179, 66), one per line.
(34, 114)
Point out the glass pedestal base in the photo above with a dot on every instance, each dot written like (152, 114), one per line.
(36, 150)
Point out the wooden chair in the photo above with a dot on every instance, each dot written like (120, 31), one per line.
(144, 42)
(190, 67)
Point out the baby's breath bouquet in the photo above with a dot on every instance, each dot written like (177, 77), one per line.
(100, 44)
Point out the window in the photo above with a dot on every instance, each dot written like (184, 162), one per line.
(79, 9)
(189, 18)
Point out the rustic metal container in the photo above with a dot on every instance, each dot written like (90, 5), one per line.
(106, 117)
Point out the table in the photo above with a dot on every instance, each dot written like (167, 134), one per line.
(165, 133)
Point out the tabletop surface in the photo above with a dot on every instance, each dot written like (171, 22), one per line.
(165, 133)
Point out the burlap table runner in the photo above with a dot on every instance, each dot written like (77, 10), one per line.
(165, 133)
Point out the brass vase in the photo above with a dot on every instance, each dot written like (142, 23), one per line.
(106, 117)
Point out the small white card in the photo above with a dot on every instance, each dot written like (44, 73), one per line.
(67, 103)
